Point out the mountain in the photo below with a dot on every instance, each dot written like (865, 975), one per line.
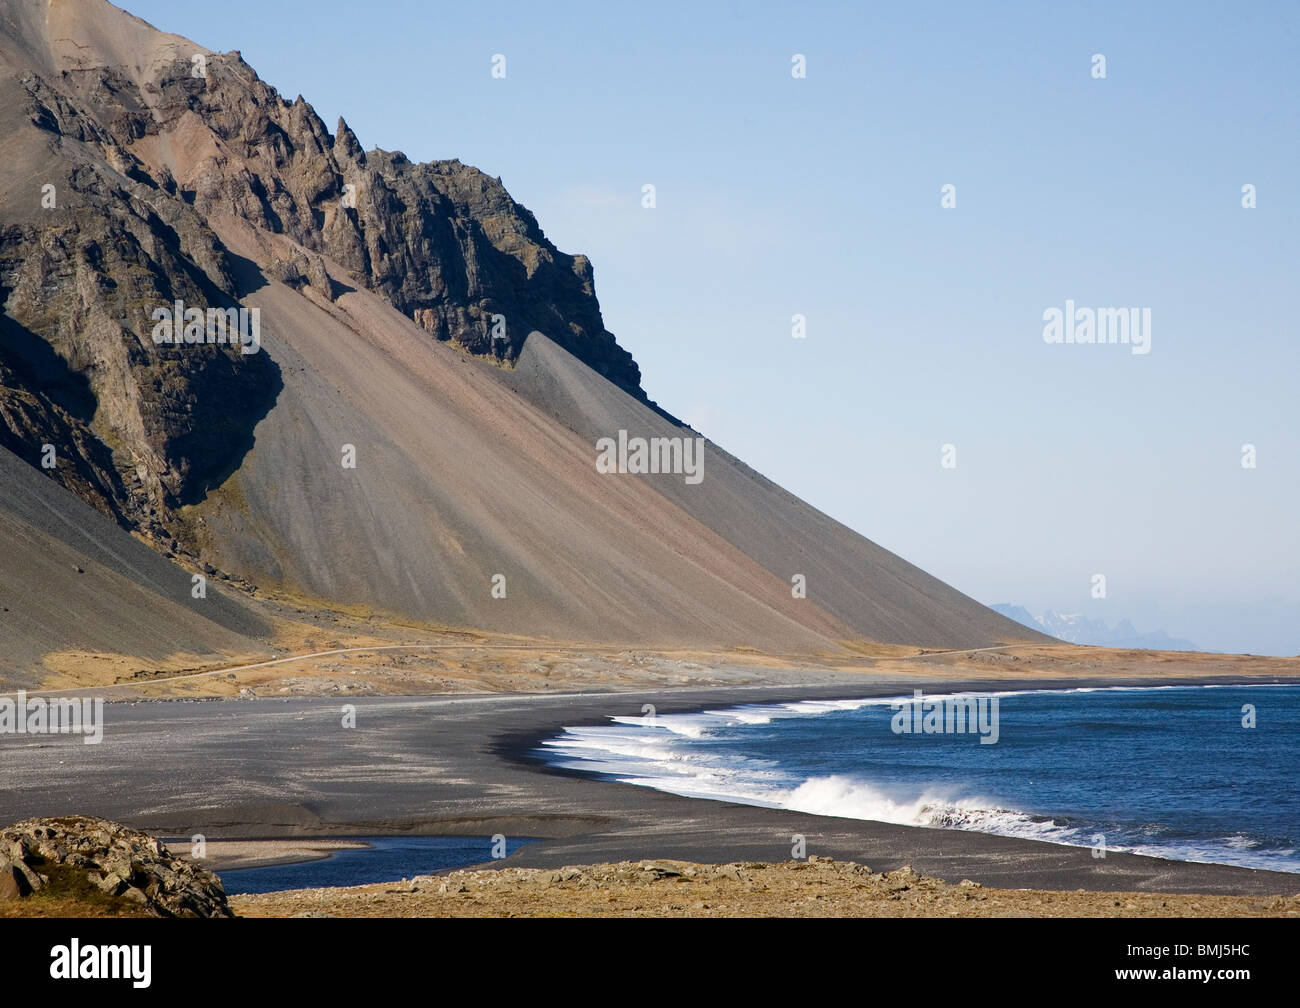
(77, 592)
(416, 421)
(1077, 629)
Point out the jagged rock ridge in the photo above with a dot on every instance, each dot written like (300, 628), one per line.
(140, 161)
(178, 175)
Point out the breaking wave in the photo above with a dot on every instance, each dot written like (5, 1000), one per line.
(716, 755)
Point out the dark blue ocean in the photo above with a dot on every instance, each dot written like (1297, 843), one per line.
(1167, 771)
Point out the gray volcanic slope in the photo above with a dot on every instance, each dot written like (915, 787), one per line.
(72, 580)
(377, 281)
(880, 595)
(457, 479)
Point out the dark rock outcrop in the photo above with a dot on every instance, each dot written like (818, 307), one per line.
(138, 430)
(142, 162)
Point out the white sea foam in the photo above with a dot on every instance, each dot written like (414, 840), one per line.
(848, 798)
(664, 753)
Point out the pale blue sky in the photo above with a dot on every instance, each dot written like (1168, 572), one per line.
(820, 196)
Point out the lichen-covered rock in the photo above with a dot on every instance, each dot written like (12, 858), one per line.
(120, 862)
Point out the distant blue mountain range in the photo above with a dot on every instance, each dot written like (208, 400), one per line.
(1077, 629)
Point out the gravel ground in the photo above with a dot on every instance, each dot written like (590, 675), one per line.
(818, 887)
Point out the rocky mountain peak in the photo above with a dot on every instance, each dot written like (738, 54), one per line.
(147, 143)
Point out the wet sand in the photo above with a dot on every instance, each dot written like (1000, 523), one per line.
(227, 855)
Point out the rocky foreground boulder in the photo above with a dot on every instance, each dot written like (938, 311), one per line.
(118, 862)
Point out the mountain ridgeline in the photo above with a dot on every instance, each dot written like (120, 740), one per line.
(140, 161)
(414, 314)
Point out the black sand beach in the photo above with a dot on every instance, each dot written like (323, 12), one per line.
(463, 765)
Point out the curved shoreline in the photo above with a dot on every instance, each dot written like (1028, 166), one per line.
(590, 760)
(458, 765)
